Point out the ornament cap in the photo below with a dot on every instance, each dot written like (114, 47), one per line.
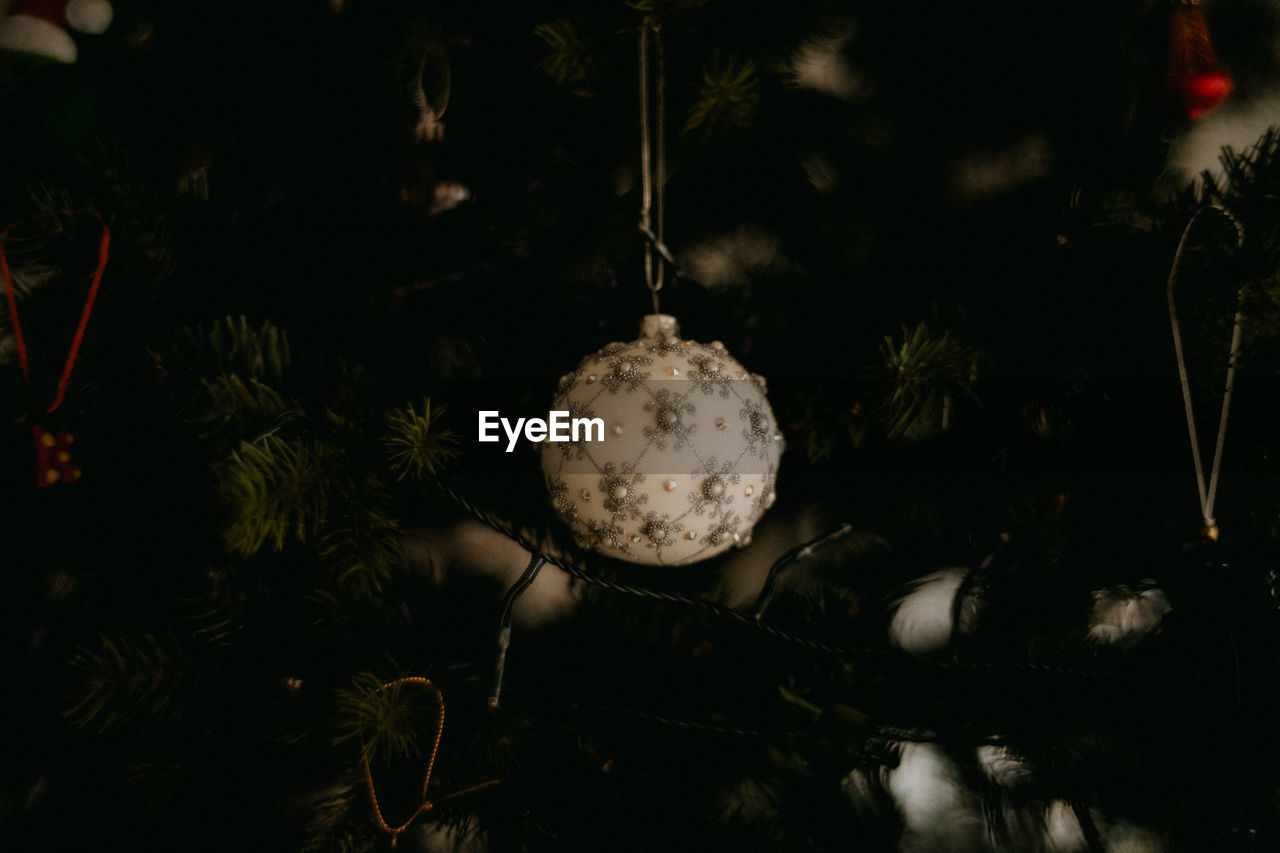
(659, 326)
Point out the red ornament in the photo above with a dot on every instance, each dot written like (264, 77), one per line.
(1195, 77)
(53, 457)
(53, 449)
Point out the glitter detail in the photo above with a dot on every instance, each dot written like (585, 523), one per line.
(708, 375)
(572, 449)
(725, 531)
(669, 426)
(609, 534)
(713, 493)
(625, 373)
(622, 498)
(756, 431)
(659, 529)
(618, 521)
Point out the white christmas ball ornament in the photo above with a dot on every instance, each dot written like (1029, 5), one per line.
(688, 457)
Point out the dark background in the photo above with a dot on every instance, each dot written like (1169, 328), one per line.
(255, 159)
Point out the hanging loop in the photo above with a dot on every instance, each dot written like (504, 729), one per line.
(1207, 492)
(653, 157)
(427, 805)
(104, 244)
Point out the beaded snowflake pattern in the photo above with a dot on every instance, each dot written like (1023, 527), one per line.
(690, 455)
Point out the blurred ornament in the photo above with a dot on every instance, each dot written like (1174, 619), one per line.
(1195, 77)
(40, 27)
(1124, 617)
(689, 455)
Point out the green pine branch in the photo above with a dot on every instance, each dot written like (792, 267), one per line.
(231, 407)
(362, 548)
(927, 374)
(336, 823)
(569, 60)
(125, 678)
(418, 445)
(230, 345)
(727, 100)
(278, 489)
(398, 721)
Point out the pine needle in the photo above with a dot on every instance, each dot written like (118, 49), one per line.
(417, 445)
(278, 490)
(727, 100)
(398, 721)
(925, 373)
(125, 678)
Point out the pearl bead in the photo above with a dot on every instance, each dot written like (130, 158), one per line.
(749, 491)
(620, 493)
(713, 368)
(669, 485)
(668, 417)
(769, 499)
(625, 367)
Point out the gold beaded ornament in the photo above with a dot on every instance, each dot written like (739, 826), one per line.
(427, 805)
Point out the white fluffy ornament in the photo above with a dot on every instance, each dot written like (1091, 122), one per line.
(689, 455)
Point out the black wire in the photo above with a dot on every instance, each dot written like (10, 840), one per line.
(846, 652)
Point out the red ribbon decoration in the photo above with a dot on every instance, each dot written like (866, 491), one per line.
(53, 454)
